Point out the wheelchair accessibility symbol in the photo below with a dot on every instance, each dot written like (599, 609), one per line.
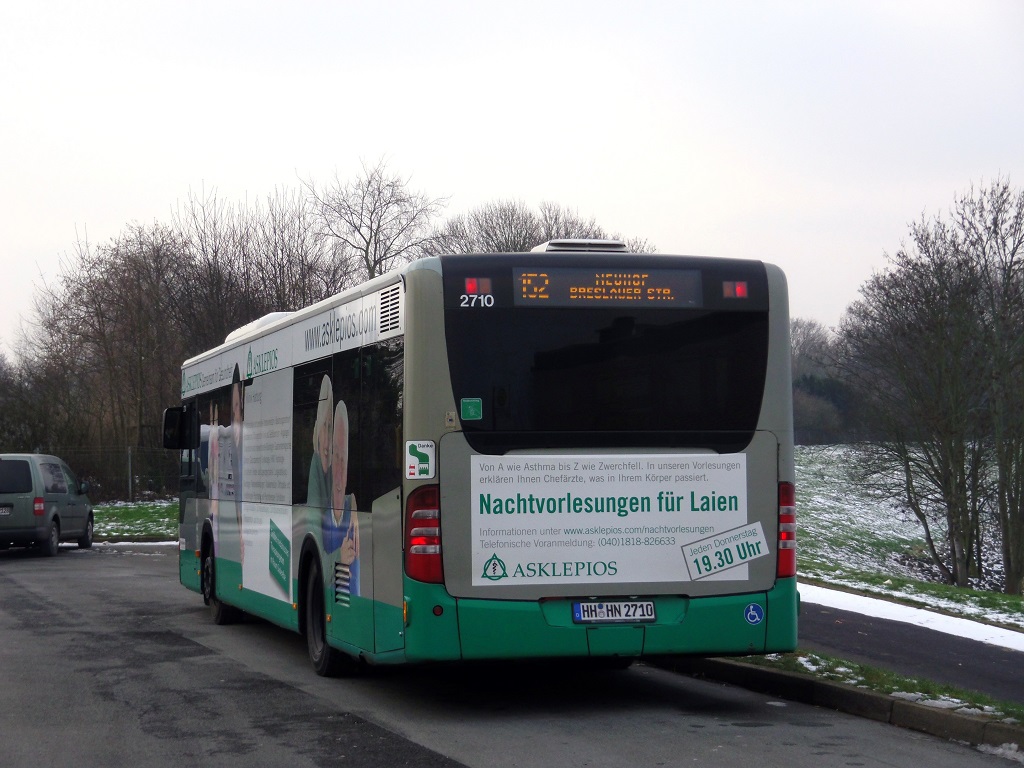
(754, 614)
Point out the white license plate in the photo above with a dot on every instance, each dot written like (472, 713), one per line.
(612, 611)
(6, 509)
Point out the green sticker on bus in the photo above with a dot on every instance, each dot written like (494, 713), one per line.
(472, 409)
(419, 459)
(280, 556)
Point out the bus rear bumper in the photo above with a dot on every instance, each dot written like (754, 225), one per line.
(752, 623)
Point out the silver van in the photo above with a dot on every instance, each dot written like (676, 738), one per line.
(42, 503)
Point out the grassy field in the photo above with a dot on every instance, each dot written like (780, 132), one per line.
(139, 521)
(851, 540)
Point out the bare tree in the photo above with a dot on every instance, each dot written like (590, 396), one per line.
(502, 226)
(375, 221)
(18, 432)
(557, 221)
(510, 226)
(911, 347)
(990, 226)
(295, 264)
(110, 311)
(811, 344)
(937, 346)
(209, 292)
(820, 398)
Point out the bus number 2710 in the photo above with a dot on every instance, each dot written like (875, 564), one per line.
(477, 300)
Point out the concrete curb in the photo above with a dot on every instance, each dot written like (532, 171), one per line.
(943, 723)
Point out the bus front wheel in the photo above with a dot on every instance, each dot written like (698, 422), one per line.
(222, 614)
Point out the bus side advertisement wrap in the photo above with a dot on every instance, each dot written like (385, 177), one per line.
(588, 519)
(266, 483)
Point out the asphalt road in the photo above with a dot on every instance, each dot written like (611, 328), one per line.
(106, 660)
(914, 651)
(92, 673)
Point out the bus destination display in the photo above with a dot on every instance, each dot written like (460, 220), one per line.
(576, 287)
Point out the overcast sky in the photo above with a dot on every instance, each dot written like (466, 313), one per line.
(808, 134)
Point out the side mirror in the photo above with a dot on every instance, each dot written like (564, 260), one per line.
(83, 488)
(180, 431)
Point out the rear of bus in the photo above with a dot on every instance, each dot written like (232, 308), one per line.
(599, 456)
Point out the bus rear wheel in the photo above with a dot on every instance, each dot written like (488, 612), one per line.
(326, 661)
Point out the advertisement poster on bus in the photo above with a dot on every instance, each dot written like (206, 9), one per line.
(588, 519)
(266, 486)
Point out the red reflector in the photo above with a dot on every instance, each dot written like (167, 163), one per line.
(787, 495)
(38, 506)
(735, 289)
(478, 286)
(786, 564)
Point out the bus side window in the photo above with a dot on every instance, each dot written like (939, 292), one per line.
(380, 420)
(313, 383)
(347, 390)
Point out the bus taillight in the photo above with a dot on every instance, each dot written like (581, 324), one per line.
(787, 531)
(423, 535)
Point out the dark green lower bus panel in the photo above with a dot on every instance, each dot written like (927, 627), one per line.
(759, 622)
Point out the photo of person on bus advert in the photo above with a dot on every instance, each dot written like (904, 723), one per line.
(340, 524)
(318, 493)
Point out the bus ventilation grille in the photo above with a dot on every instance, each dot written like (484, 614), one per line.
(342, 585)
(391, 309)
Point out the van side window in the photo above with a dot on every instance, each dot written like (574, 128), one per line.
(72, 481)
(53, 478)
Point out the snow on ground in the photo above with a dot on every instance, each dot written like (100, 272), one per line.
(883, 609)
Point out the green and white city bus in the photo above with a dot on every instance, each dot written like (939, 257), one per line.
(571, 452)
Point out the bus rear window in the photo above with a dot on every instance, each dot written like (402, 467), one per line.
(599, 374)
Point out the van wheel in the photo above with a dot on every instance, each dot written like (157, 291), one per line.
(86, 541)
(51, 544)
(327, 661)
(222, 614)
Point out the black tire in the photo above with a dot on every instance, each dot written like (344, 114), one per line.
(326, 661)
(86, 541)
(50, 546)
(222, 614)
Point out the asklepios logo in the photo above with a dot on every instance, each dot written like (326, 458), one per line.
(261, 363)
(495, 569)
(565, 569)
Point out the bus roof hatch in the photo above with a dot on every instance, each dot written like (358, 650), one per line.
(569, 244)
